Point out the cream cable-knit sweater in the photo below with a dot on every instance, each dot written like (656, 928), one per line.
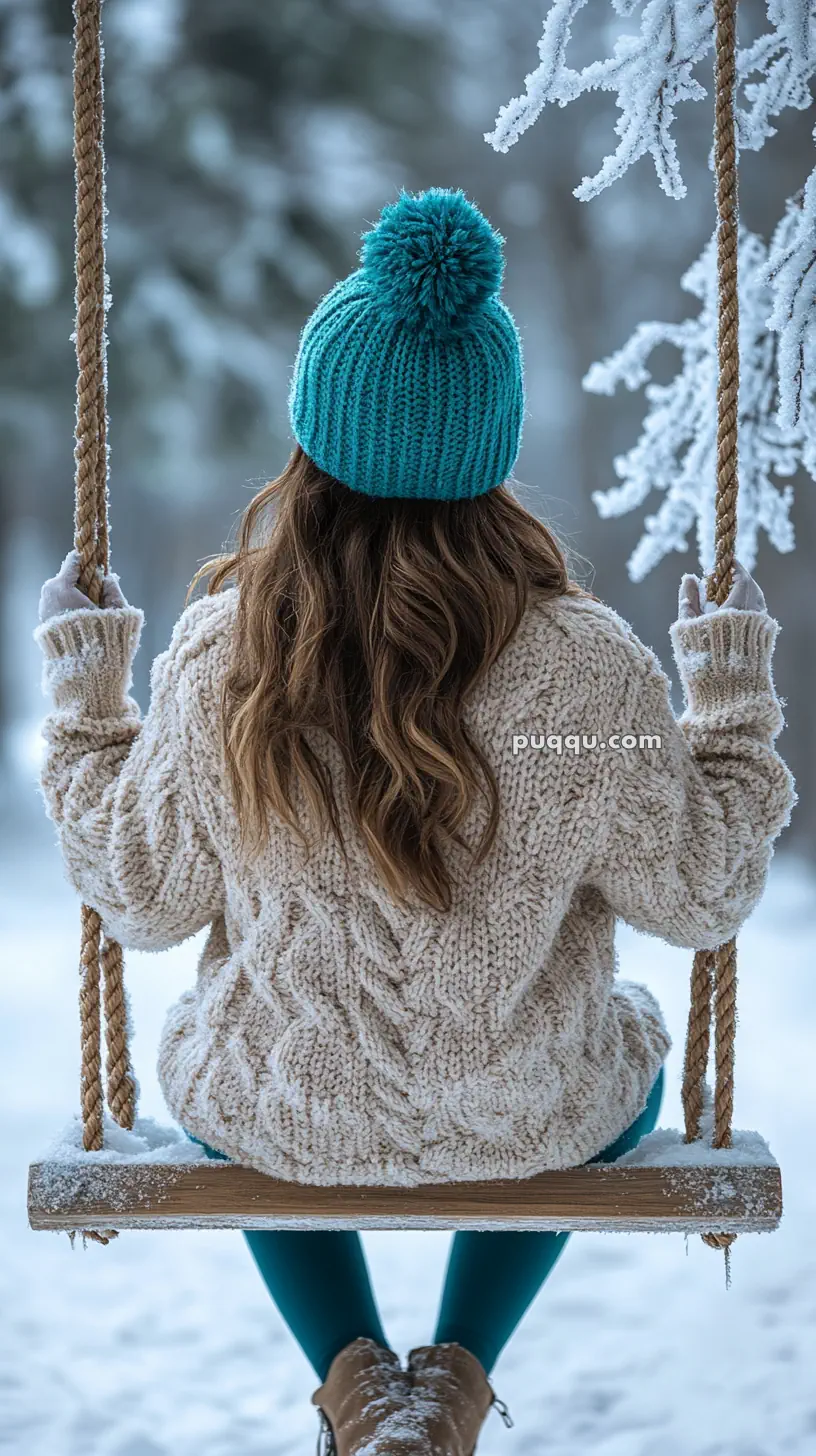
(334, 1037)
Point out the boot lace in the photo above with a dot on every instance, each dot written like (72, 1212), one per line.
(502, 1410)
(326, 1444)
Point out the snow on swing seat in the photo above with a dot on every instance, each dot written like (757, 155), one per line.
(155, 1177)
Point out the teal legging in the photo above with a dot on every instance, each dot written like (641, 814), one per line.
(320, 1281)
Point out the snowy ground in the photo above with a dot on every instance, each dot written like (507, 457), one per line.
(167, 1342)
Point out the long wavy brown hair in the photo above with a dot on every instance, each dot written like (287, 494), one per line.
(373, 619)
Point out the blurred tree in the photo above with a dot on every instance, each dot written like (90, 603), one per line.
(243, 145)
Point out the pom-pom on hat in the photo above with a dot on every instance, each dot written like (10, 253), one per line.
(434, 261)
(408, 379)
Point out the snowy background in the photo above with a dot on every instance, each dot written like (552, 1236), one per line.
(247, 147)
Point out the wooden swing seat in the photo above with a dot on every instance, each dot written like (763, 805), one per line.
(719, 1196)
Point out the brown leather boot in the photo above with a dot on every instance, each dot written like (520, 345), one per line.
(451, 1398)
(364, 1405)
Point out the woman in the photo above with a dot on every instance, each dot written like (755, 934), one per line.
(354, 772)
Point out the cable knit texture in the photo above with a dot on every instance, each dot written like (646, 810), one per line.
(333, 1037)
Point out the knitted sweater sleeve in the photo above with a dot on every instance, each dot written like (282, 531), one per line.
(690, 824)
(120, 789)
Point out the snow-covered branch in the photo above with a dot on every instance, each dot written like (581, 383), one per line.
(791, 275)
(651, 74)
(651, 71)
(676, 452)
(552, 80)
(784, 60)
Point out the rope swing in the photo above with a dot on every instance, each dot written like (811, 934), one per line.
(714, 973)
(100, 958)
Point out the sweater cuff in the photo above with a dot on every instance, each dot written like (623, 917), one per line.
(88, 655)
(724, 662)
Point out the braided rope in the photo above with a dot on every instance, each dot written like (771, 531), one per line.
(90, 303)
(121, 1087)
(716, 971)
(698, 1040)
(91, 541)
(89, 1015)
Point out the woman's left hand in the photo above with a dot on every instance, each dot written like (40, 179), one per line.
(61, 593)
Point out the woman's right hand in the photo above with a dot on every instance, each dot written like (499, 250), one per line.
(744, 596)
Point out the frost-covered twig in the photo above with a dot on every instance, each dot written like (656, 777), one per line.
(791, 276)
(676, 452)
(651, 72)
(550, 81)
(784, 60)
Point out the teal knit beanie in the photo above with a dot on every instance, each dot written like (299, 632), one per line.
(408, 379)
